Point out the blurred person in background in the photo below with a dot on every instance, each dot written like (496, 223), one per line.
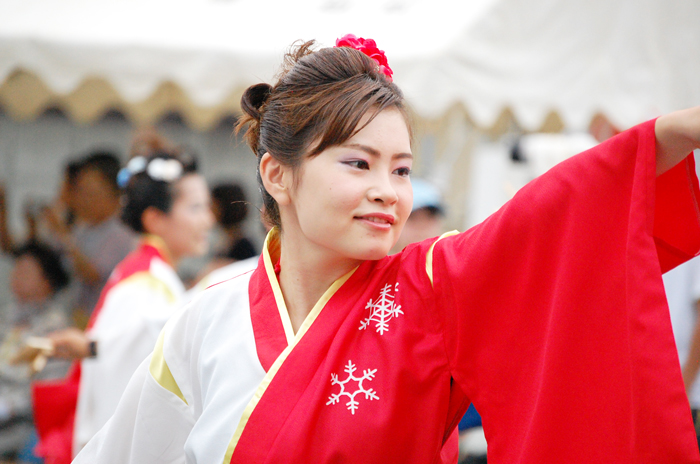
(99, 239)
(230, 244)
(168, 203)
(37, 278)
(230, 208)
(62, 210)
(426, 219)
(228, 271)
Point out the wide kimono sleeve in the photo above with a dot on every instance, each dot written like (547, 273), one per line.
(155, 415)
(126, 330)
(555, 319)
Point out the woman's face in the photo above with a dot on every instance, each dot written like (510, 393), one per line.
(28, 282)
(185, 229)
(352, 200)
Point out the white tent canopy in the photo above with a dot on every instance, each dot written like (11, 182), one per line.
(629, 59)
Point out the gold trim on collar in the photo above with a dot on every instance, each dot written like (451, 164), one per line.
(159, 244)
(152, 282)
(315, 311)
(271, 250)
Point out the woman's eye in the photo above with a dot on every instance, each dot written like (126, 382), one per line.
(403, 172)
(359, 164)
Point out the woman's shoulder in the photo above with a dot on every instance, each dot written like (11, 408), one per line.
(233, 287)
(219, 301)
(213, 314)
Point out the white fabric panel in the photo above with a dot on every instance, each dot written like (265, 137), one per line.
(154, 426)
(133, 315)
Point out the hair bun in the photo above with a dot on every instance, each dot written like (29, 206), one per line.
(254, 97)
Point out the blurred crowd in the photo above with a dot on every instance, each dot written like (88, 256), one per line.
(71, 247)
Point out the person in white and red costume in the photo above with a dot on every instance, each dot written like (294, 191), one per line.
(167, 202)
(550, 316)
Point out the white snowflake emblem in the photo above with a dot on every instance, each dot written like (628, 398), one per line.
(352, 404)
(382, 310)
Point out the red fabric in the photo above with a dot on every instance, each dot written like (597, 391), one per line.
(550, 316)
(55, 401)
(563, 340)
(54, 415)
(450, 450)
(267, 325)
(678, 183)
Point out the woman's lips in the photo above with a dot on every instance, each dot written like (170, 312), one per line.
(377, 220)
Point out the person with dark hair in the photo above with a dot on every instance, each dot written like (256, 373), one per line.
(229, 241)
(167, 202)
(230, 209)
(50, 262)
(99, 240)
(37, 278)
(62, 212)
(549, 316)
(230, 246)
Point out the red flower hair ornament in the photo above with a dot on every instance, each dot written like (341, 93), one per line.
(369, 48)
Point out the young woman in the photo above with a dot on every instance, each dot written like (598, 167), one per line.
(549, 316)
(168, 203)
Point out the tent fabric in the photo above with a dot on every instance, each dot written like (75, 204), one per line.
(630, 60)
(88, 56)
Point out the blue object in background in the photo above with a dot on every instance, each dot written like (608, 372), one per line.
(27, 456)
(470, 419)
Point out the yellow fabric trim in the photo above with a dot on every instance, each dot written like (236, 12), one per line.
(147, 279)
(159, 244)
(320, 304)
(161, 372)
(271, 249)
(429, 256)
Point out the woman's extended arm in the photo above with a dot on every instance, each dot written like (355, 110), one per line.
(677, 134)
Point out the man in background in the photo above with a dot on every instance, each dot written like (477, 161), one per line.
(426, 219)
(99, 240)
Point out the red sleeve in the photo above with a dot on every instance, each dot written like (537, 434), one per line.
(555, 318)
(676, 228)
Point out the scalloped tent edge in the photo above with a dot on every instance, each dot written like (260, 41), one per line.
(627, 60)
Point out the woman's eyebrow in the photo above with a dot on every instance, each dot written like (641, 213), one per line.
(371, 151)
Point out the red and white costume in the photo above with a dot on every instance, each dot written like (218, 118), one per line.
(550, 316)
(141, 294)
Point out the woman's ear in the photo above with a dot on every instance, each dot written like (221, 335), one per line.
(153, 220)
(277, 178)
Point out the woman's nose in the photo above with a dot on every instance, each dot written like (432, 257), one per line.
(383, 191)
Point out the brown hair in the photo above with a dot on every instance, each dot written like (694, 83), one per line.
(318, 100)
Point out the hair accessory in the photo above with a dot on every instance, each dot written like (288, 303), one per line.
(166, 170)
(162, 169)
(369, 48)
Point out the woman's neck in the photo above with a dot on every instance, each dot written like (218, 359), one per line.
(157, 242)
(306, 272)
